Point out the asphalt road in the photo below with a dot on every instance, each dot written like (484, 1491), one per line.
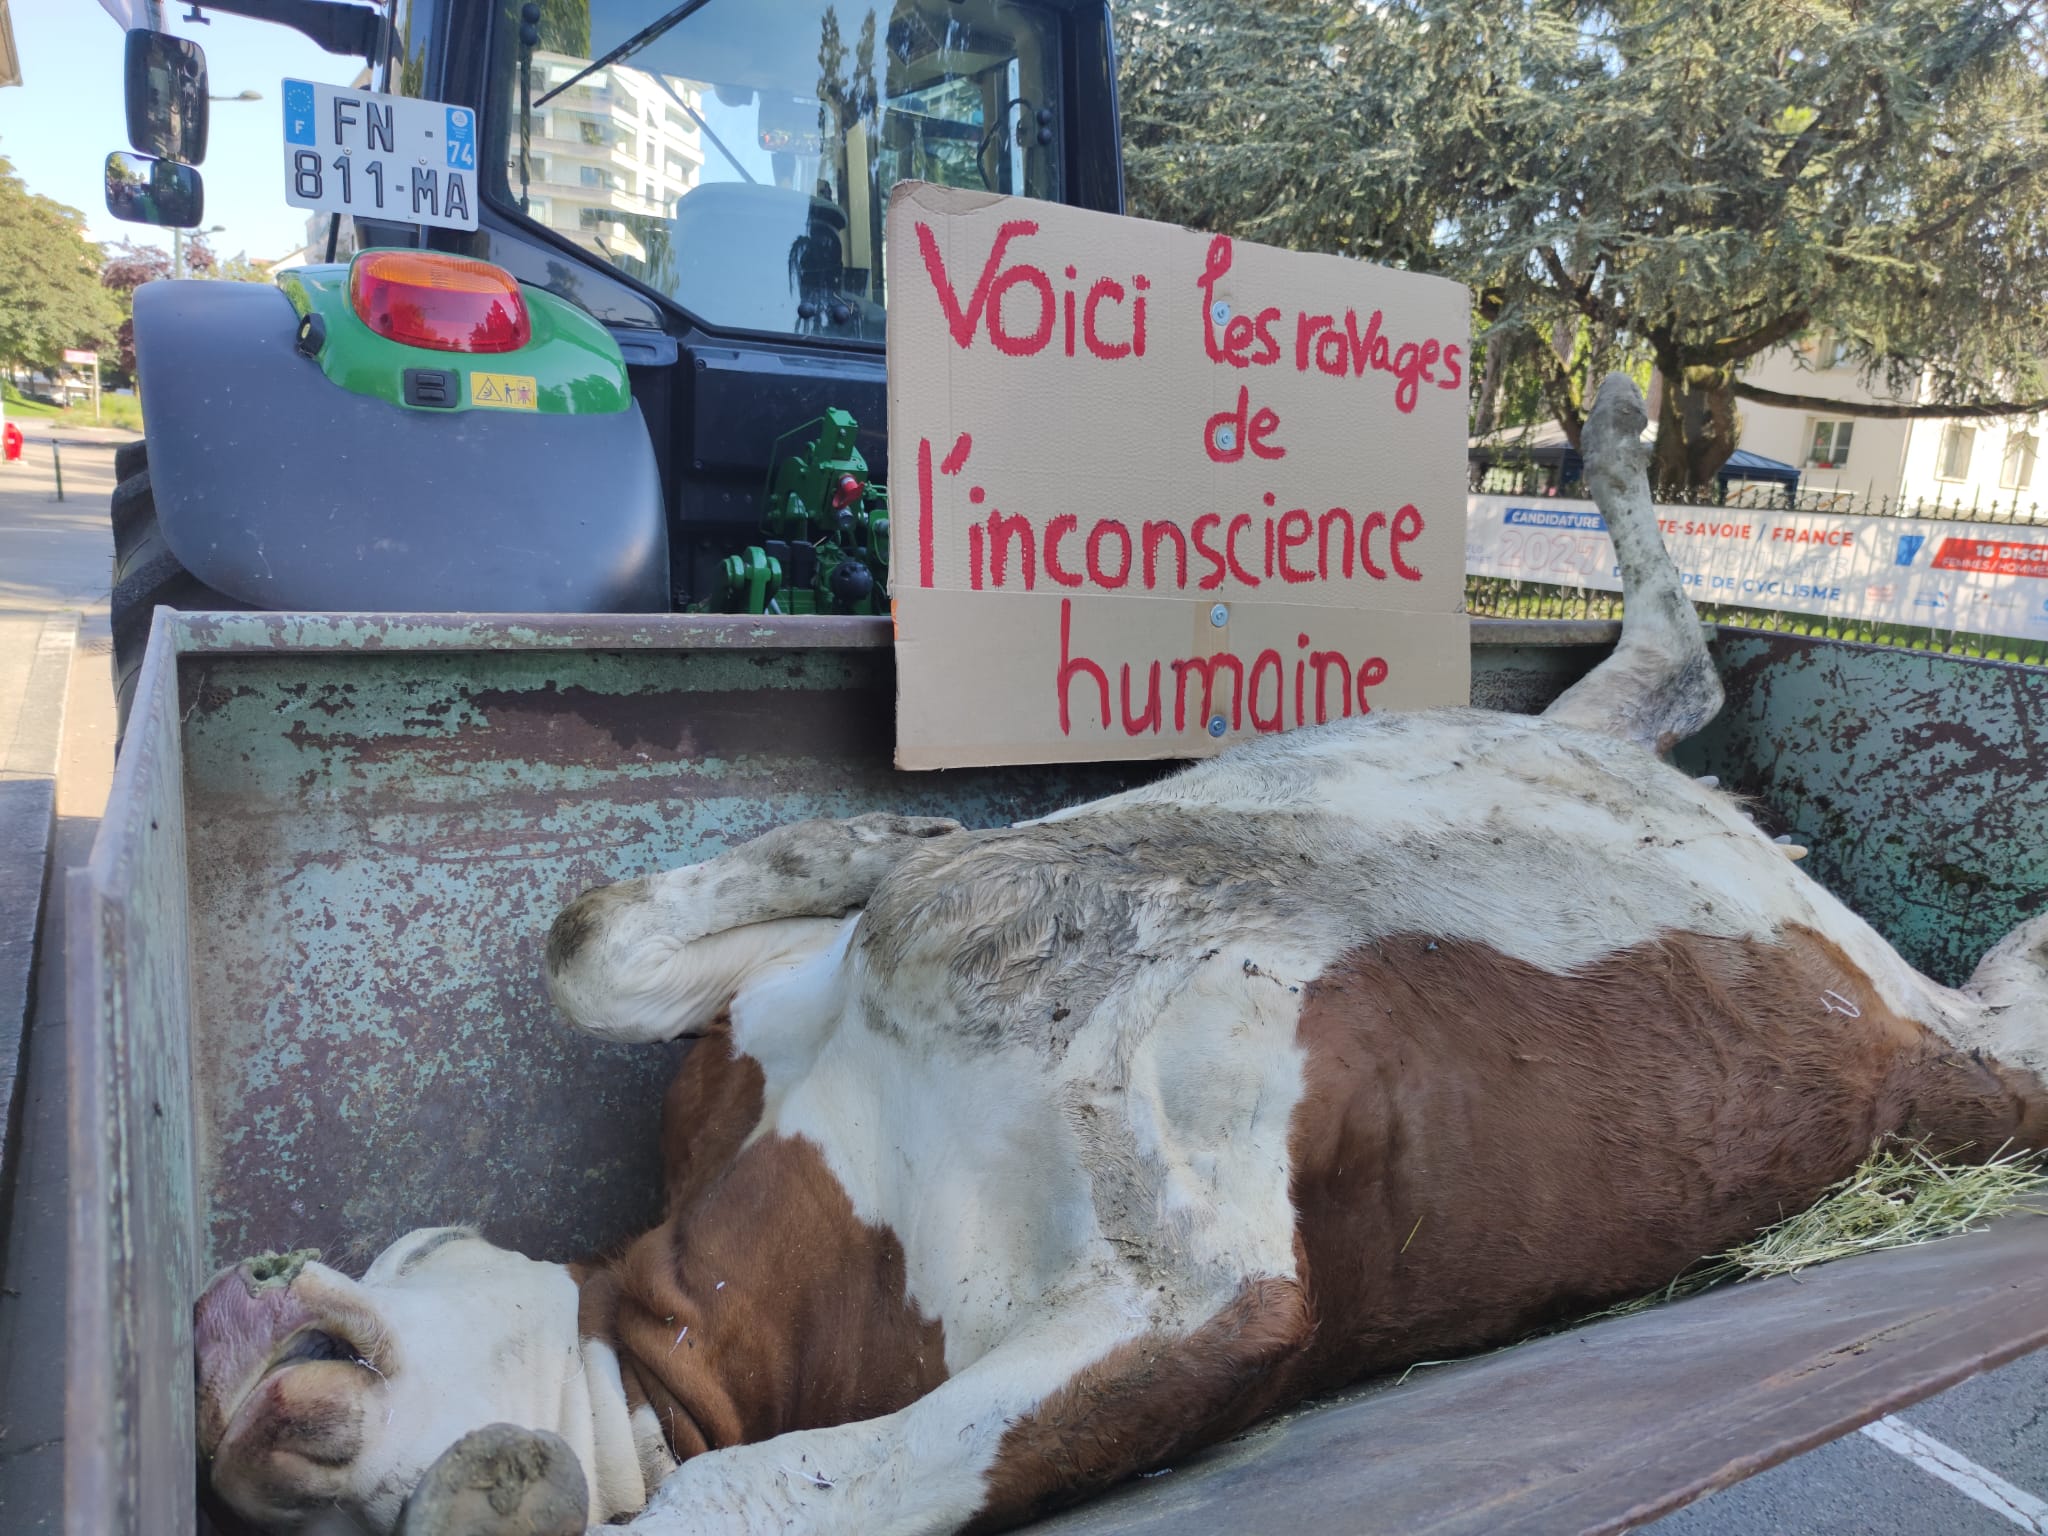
(54, 559)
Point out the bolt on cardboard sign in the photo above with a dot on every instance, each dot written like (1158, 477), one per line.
(1155, 491)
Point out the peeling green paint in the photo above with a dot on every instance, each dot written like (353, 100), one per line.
(1918, 782)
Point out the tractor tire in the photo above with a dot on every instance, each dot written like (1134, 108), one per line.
(131, 459)
(147, 576)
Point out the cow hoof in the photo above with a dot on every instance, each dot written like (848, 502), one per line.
(500, 1480)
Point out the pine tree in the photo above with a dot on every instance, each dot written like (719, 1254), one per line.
(1700, 183)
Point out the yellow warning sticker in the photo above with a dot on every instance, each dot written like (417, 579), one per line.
(506, 391)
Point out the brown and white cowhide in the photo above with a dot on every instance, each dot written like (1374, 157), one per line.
(1012, 1162)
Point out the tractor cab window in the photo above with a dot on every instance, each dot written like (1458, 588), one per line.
(740, 160)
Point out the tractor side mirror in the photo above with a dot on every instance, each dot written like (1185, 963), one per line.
(165, 82)
(145, 191)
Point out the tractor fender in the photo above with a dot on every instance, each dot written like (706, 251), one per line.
(287, 492)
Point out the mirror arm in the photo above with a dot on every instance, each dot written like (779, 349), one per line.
(338, 28)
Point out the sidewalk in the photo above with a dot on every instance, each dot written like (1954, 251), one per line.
(35, 665)
(56, 555)
(55, 567)
(56, 761)
(44, 428)
(56, 561)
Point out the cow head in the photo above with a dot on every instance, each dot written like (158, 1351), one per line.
(318, 1393)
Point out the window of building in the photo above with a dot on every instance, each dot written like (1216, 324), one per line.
(783, 228)
(1833, 351)
(1830, 448)
(2017, 472)
(1952, 462)
(596, 176)
(593, 218)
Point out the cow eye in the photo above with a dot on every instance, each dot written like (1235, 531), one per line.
(314, 1344)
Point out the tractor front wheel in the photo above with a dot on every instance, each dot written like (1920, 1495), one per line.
(147, 576)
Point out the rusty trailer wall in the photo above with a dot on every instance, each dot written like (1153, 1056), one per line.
(1919, 782)
(308, 947)
(135, 1237)
(378, 843)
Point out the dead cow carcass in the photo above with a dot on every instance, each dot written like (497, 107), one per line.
(1012, 1162)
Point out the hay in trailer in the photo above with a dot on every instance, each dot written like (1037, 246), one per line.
(1899, 1196)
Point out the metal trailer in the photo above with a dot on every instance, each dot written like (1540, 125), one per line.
(306, 1009)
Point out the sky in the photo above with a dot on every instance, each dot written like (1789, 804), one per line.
(58, 125)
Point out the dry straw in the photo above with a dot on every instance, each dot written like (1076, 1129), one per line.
(1899, 1196)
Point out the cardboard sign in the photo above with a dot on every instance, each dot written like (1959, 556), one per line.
(1155, 491)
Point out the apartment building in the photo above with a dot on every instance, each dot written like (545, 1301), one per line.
(608, 154)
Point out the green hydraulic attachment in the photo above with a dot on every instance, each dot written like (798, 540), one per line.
(825, 532)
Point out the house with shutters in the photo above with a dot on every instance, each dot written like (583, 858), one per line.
(1986, 462)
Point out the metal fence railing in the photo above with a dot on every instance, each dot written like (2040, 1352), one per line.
(1498, 597)
(2017, 507)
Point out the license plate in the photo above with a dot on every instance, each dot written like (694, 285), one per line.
(379, 157)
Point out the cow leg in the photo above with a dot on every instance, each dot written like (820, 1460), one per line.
(1047, 1418)
(501, 1480)
(2010, 987)
(663, 956)
(1659, 686)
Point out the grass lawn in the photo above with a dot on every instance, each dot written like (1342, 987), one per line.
(115, 411)
(19, 409)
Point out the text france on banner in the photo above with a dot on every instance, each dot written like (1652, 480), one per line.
(1982, 578)
(1155, 490)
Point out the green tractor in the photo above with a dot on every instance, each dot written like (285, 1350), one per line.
(591, 266)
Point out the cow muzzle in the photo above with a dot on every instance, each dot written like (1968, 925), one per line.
(285, 1354)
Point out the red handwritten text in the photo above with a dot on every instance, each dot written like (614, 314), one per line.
(1249, 340)
(1026, 327)
(1259, 693)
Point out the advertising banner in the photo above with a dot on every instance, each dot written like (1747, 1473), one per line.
(1983, 578)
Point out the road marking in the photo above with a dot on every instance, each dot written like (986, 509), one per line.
(1960, 1473)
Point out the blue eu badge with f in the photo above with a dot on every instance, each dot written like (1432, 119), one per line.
(298, 113)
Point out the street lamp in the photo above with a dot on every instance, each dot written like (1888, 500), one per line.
(178, 245)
